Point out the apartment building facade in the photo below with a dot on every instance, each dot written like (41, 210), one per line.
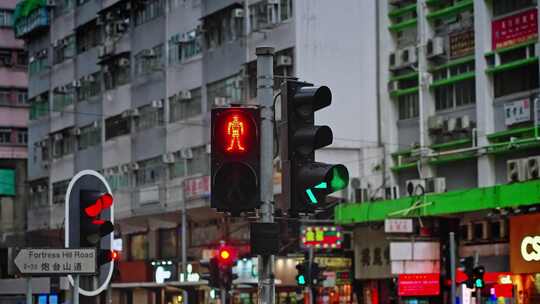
(13, 140)
(125, 88)
(458, 88)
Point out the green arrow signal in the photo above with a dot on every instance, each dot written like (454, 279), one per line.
(310, 194)
(338, 182)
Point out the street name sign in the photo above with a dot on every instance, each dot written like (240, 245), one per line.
(49, 261)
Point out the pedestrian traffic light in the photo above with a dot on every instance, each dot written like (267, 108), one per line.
(478, 276)
(235, 158)
(307, 182)
(301, 277)
(308, 274)
(227, 277)
(213, 272)
(468, 268)
(226, 256)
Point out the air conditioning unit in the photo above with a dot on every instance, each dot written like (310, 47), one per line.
(186, 153)
(408, 55)
(394, 61)
(220, 101)
(238, 13)
(168, 158)
(284, 60)
(450, 125)
(90, 78)
(149, 53)
(135, 112)
(415, 187)
(272, 2)
(61, 90)
(50, 3)
(208, 148)
(435, 47)
(516, 170)
(58, 136)
(109, 171)
(124, 168)
(463, 123)
(436, 185)
(40, 188)
(126, 114)
(185, 94)
(109, 16)
(76, 83)
(43, 143)
(123, 62)
(393, 86)
(95, 124)
(134, 166)
(533, 167)
(391, 193)
(76, 131)
(99, 20)
(435, 123)
(158, 103)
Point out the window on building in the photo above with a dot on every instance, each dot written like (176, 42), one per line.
(90, 135)
(224, 91)
(90, 86)
(88, 36)
(39, 193)
(149, 117)
(116, 178)
(63, 6)
(495, 230)
(408, 106)
(455, 95)
(81, 2)
(22, 58)
(223, 27)
(116, 73)
(64, 49)
(178, 168)
(45, 149)
(22, 136)
(184, 46)
(63, 142)
(520, 79)
(38, 62)
(39, 106)
(149, 60)
(150, 171)
(138, 247)
(168, 243)
(6, 18)
(6, 57)
(21, 97)
(5, 136)
(182, 107)
(63, 96)
(502, 7)
(117, 126)
(286, 9)
(5, 97)
(59, 191)
(149, 10)
(200, 162)
(478, 231)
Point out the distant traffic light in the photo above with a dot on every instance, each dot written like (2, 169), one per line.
(235, 159)
(213, 272)
(226, 256)
(468, 267)
(478, 276)
(308, 274)
(307, 182)
(92, 226)
(302, 275)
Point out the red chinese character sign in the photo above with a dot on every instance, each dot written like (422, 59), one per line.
(514, 29)
(322, 237)
(426, 284)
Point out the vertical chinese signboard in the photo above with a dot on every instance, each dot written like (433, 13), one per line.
(197, 187)
(514, 29)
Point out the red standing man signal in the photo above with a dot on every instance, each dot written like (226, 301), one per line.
(235, 131)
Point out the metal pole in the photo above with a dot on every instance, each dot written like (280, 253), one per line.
(184, 236)
(223, 296)
(76, 289)
(453, 268)
(310, 283)
(265, 95)
(29, 290)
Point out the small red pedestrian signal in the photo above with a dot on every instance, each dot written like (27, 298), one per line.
(236, 132)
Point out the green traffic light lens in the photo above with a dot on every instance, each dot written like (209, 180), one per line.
(479, 283)
(301, 279)
(339, 178)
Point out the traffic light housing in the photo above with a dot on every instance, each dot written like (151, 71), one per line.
(92, 227)
(478, 277)
(468, 268)
(302, 278)
(308, 274)
(305, 181)
(235, 159)
(213, 272)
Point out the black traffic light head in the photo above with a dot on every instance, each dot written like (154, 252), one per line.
(213, 272)
(92, 226)
(306, 182)
(302, 275)
(235, 159)
(467, 264)
(478, 277)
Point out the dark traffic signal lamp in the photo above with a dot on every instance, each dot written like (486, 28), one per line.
(468, 268)
(306, 181)
(213, 272)
(235, 159)
(92, 226)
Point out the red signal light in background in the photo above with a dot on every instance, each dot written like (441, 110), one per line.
(115, 256)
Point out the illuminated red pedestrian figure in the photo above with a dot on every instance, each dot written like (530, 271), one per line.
(235, 129)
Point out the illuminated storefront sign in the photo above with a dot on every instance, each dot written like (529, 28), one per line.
(525, 244)
(427, 284)
(163, 271)
(530, 248)
(325, 237)
(461, 44)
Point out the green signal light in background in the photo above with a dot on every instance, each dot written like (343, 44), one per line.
(301, 280)
(338, 181)
(479, 283)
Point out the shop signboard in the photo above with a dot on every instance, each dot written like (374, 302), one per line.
(398, 225)
(197, 187)
(461, 43)
(371, 259)
(525, 244)
(321, 237)
(426, 284)
(515, 29)
(164, 271)
(517, 111)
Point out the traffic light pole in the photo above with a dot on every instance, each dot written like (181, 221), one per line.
(453, 267)
(265, 96)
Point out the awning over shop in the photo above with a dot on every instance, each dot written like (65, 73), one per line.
(437, 204)
(25, 7)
